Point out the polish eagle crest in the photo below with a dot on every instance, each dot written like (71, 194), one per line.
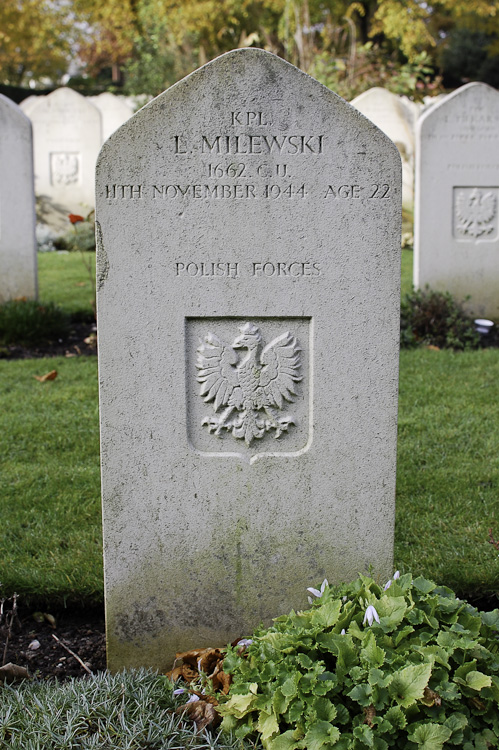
(249, 382)
(475, 212)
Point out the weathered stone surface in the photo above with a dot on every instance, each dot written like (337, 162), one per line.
(114, 112)
(67, 139)
(18, 272)
(457, 191)
(248, 257)
(396, 117)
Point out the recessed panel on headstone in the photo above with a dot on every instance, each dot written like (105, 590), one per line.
(248, 227)
(67, 138)
(18, 269)
(395, 116)
(457, 192)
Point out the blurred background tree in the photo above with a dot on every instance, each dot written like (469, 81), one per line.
(142, 46)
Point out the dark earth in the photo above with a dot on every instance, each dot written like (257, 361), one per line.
(81, 341)
(29, 642)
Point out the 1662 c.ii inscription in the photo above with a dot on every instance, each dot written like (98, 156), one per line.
(253, 387)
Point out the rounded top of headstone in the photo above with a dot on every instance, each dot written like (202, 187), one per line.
(63, 96)
(14, 110)
(247, 72)
(469, 95)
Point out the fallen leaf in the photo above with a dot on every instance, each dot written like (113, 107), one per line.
(70, 354)
(201, 712)
(11, 672)
(91, 340)
(81, 283)
(49, 376)
(433, 348)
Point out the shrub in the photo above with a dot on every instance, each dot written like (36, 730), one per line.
(435, 318)
(404, 666)
(29, 322)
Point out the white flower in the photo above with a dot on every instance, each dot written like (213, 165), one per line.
(245, 642)
(370, 615)
(316, 592)
(396, 575)
(343, 632)
(179, 691)
(387, 585)
(345, 598)
(193, 698)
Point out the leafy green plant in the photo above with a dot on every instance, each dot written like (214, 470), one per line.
(435, 318)
(28, 322)
(407, 665)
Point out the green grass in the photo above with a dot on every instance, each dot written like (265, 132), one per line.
(448, 475)
(448, 467)
(406, 273)
(50, 535)
(50, 539)
(64, 278)
(128, 711)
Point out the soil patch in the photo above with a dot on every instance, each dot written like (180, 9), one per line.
(31, 644)
(82, 341)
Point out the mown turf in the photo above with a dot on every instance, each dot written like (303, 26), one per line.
(50, 535)
(67, 279)
(448, 467)
(50, 538)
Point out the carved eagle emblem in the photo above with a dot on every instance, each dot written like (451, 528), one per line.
(251, 381)
(475, 212)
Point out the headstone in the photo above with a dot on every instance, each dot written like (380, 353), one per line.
(114, 112)
(28, 103)
(395, 117)
(248, 233)
(457, 192)
(18, 272)
(67, 139)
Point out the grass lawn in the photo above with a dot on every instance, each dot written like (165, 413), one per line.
(67, 279)
(50, 536)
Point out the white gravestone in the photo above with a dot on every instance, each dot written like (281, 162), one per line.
(114, 112)
(67, 139)
(456, 241)
(18, 271)
(395, 117)
(248, 232)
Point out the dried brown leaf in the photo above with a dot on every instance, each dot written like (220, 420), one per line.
(431, 698)
(370, 713)
(201, 712)
(49, 376)
(12, 672)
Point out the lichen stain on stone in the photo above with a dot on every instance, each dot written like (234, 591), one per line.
(142, 620)
(102, 261)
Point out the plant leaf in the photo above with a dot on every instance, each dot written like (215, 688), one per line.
(430, 736)
(408, 684)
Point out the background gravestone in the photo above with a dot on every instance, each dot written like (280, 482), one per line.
(67, 139)
(248, 226)
(114, 111)
(18, 271)
(396, 117)
(456, 241)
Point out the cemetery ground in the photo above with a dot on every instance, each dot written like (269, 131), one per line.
(50, 536)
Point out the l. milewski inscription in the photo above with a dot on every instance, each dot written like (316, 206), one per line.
(250, 387)
(475, 212)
